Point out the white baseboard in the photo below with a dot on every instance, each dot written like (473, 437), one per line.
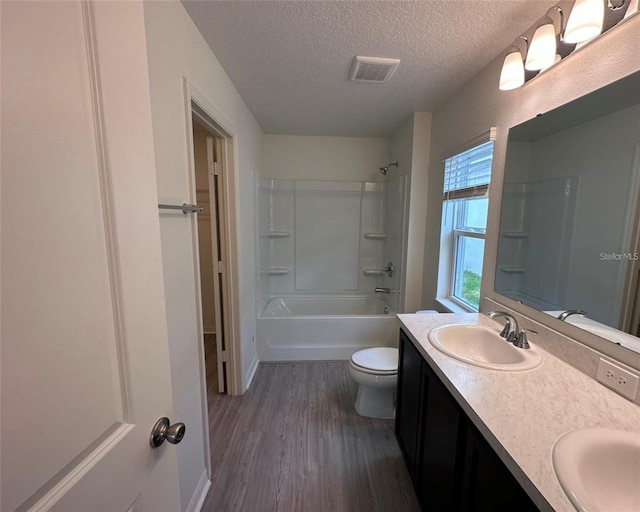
(195, 505)
(251, 372)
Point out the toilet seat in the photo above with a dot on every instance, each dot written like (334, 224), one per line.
(376, 361)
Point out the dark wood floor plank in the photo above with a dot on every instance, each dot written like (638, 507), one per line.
(294, 443)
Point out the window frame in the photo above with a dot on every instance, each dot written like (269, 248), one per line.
(452, 230)
(457, 234)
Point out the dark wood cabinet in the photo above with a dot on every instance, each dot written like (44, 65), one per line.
(408, 403)
(452, 466)
(442, 448)
(487, 483)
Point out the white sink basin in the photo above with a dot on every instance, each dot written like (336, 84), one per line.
(480, 345)
(599, 469)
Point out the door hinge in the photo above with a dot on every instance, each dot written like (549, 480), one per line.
(216, 169)
(223, 354)
(220, 268)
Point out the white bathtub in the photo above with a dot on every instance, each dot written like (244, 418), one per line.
(323, 328)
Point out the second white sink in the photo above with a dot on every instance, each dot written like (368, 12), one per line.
(599, 469)
(482, 346)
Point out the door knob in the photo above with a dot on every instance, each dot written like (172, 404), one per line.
(163, 431)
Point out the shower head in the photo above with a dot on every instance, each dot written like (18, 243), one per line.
(384, 170)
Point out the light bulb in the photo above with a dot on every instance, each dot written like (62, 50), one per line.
(585, 21)
(512, 75)
(542, 51)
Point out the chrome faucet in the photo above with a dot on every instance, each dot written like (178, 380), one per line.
(521, 341)
(382, 290)
(565, 314)
(389, 269)
(511, 330)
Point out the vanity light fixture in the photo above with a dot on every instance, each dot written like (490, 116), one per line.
(556, 59)
(512, 75)
(585, 21)
(614, 5)
(542, 52)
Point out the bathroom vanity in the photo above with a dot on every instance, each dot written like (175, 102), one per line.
(482, 439)
(451, 465)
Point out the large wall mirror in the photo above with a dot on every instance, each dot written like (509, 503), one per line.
(569, 224)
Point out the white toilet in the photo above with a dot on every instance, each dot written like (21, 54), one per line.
(376, 372)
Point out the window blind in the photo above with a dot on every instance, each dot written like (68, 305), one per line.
(467, 174)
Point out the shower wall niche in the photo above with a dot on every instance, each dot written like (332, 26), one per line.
(324, 237)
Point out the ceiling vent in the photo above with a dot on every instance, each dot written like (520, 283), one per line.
(373, 69)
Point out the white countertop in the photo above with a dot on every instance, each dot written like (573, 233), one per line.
(522, 414)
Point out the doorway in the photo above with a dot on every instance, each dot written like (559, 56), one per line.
(207, 149)
(211, 143)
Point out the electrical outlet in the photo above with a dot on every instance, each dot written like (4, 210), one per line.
(617, 378)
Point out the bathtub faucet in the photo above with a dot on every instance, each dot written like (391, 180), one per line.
(389, 269)
(382, 290)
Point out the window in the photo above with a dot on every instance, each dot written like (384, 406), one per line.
(464, 222)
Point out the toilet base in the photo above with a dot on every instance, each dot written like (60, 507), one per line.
(376, 403)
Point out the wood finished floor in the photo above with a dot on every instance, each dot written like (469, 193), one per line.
(294, 443)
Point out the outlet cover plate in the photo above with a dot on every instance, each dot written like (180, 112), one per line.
(619, 379)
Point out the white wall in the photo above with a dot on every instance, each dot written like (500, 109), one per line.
(176, 50)
(397, 216)
(479, 105)
(410, 146)
(300, 157)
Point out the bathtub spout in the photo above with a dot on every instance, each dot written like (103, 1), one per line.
(382, 290)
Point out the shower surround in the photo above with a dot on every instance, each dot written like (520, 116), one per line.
(321, 249)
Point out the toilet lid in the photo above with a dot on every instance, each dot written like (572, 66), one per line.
(382, 359)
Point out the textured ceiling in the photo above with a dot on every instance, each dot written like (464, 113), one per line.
(290, 60)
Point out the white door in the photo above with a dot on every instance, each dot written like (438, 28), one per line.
(84, 370)
(217, 258)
